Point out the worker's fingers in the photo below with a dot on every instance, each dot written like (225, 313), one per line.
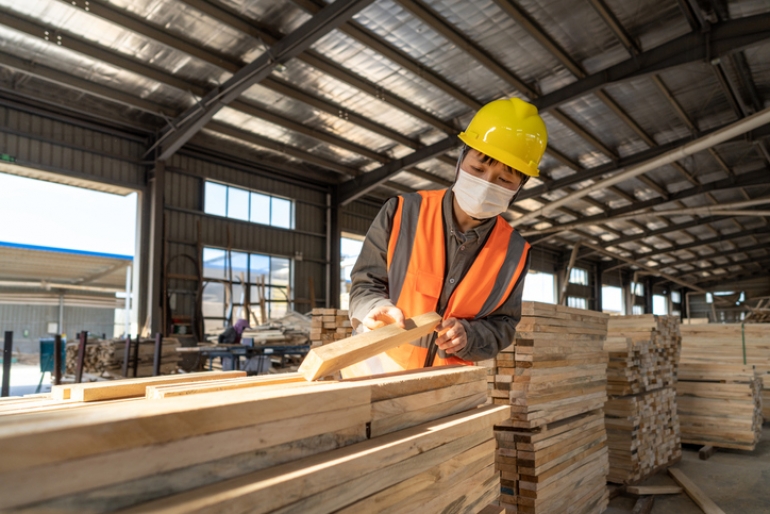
(395, 314)
(452, 337)
(381, 316)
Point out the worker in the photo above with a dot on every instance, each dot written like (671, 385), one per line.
(451, 252)
(233, 334)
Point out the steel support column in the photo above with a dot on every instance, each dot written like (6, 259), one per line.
(154, 288)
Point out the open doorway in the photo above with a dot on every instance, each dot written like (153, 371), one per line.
(67, 262)
(350, 248)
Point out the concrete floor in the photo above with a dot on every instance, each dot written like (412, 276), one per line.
(25, 379)
(737, 481)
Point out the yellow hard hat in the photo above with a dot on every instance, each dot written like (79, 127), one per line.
(510, 131)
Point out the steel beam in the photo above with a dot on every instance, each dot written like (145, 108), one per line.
(723, 38)
(716, 255)
(358, 187)
(749, 260)
(735, 276)
(370, 39)
(753, 178)
(714, 240)
(190, 122)
(617, 28)
(426, 14)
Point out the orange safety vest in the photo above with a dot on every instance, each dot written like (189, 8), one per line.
(416, 263)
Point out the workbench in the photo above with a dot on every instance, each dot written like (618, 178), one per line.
(232, 353)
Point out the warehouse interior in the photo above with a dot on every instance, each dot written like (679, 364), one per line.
(261, 138)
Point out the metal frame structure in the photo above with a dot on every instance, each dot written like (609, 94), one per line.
(580, 87)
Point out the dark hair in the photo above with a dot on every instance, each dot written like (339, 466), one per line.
(492, 161)
(486, 159)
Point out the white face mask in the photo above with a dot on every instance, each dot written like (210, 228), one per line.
(480, 199)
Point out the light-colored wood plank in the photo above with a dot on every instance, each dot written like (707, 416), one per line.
(282, 486)
(642, 490)
(97, 471)
(134, 492)
(694, 492)
(132, 387)
(333, 357)
(46, 438)
(157, 392)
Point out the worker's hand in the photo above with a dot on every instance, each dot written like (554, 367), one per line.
(381, 316)
(451, 335)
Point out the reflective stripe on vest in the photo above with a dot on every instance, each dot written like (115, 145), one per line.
(416, 267)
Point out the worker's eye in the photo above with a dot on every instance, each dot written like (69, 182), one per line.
(505, 181)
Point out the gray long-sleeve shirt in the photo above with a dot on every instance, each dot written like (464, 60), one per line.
(487, 336)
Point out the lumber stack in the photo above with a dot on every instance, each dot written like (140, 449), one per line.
(731, 343)
(552, 452)
(256, 444)
(720, 405)
(105, 357)
(643, 434)
(641, 417)
(644, 353)
(329, 325)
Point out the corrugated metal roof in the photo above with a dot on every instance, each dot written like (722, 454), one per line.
(407, 73)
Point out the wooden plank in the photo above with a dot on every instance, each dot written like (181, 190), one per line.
(40, 439)
(348, 491)
(644, 490)
(643, 505)
(187, 388)
(706, 452)
(98, 471)
(694, 492)
(386, 425)
(286, 485)
(134, 492)
(405, 383)
(134, 387)
(333, 357)
(393, 499)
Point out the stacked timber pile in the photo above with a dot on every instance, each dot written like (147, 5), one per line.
(643, 434)
(731, 343)
(329, 325)
(720, 405)
(644, 353)
(104, 357)
(641, 417)
(552, 452)
(258, 444)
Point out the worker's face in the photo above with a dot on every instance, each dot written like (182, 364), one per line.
(481, 166)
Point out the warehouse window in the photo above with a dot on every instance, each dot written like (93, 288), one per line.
(241, 204)
(676, 297)
(539, 287)
(637, 289)
(659, 304)
(234, 279)
(577, 303)
(578, 276)
(612, 299)
(350, 248)
(637, 309)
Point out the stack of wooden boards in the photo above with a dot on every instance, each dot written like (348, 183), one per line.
(104, 357)
(731, 343)
(641, 417)
(257, 444)
(329, 325)
(552, 452)
(720, 405)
